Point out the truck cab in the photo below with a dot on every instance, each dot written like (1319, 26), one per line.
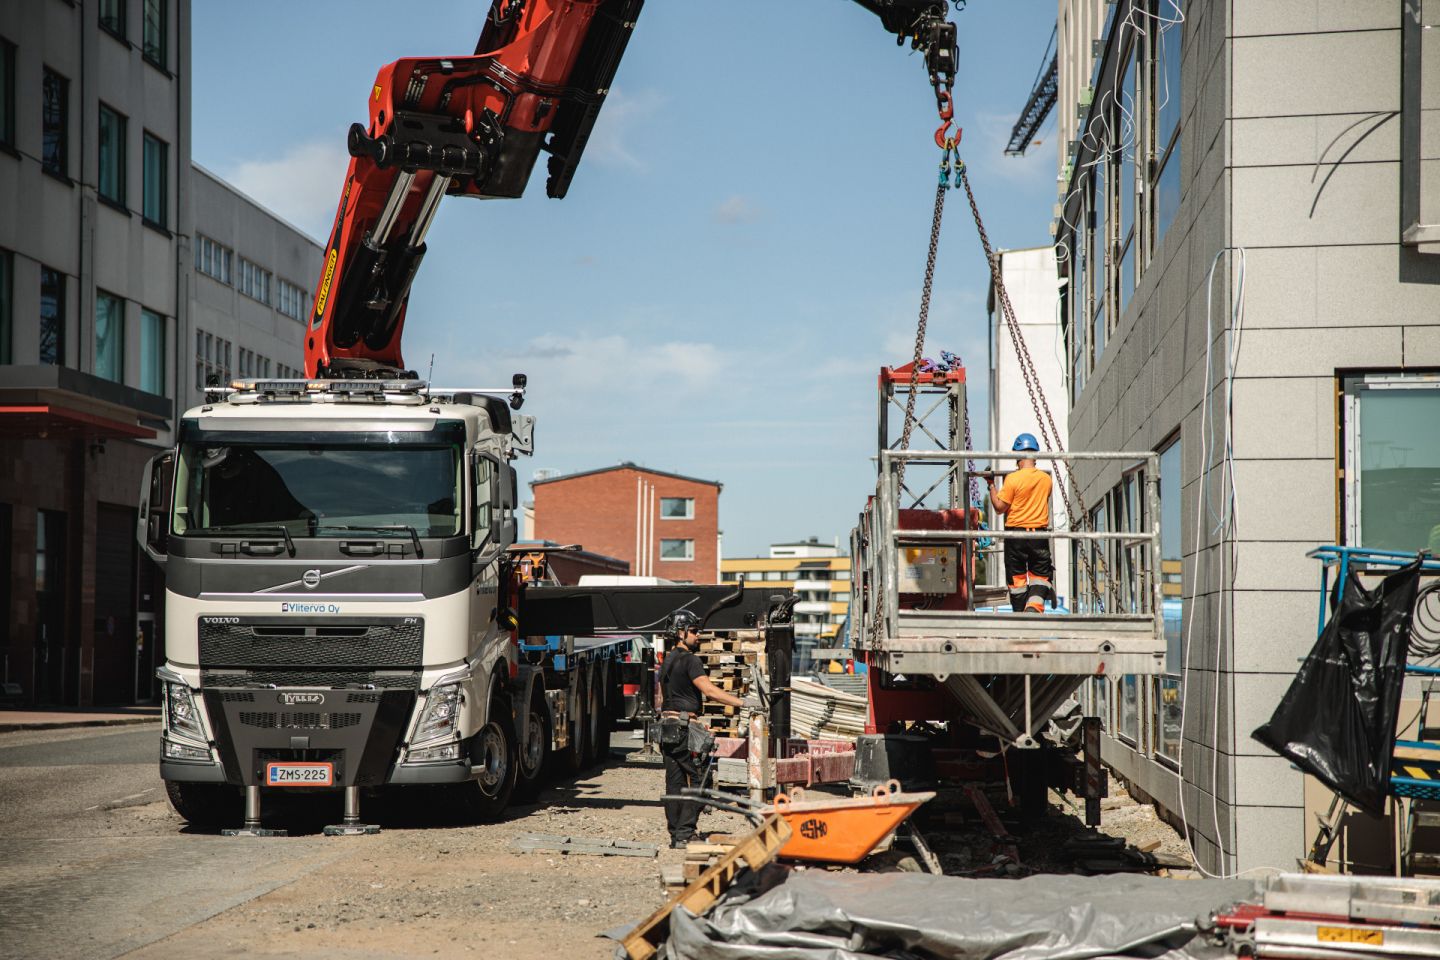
(338, 611)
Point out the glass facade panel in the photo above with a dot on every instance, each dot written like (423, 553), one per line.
(109, 337)
(152, 353)
(55, 123)
(1099, 262)
(1167, 71)
(112, 155)
(52, 317)
(157, 193)
(1172, 585)
(1166, 195)
(1391, 438)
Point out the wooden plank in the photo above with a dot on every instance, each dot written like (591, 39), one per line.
(760, 847)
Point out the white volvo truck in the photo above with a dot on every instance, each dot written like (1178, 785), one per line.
(340, 603)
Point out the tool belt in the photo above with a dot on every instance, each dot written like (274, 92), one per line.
(678, 728)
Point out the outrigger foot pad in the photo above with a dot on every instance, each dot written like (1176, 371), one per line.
(253, 832)
(351, 829)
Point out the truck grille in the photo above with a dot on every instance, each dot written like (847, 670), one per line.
(276, 720)
(311, 678)
(339, 642)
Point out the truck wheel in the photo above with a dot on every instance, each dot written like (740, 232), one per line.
(493, 760)
(534, 748)
(207, 806)
(596, 744)
(577, 755)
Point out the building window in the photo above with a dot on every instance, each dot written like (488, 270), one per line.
(291, 300)
(154, 44)
(109, 336)
(1099, 264)
(55, 123)
(52, 317)
(112, 155)
(1172, 586)
(1166, 105)
(254, 281)
(156, 187)
(1392, 461)
(214, 260)
(7, 92)
(112, 17)
(212, 359)
(152, 353)
(677, 549)
(1123, 121)
(7, 304)
(677, 508)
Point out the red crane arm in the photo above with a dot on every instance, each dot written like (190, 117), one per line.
(474, 126)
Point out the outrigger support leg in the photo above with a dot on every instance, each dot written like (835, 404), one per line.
(350, 825)
(251, 827)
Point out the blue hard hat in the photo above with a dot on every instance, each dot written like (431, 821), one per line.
(1026, 441)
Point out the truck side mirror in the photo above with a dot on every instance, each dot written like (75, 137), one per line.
(152, 528)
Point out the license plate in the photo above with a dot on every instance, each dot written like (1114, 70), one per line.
(299, 774)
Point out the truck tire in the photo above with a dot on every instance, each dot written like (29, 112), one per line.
(577, 756)
(206, 806)
(533, 750)
(596, 744)
(493, 759)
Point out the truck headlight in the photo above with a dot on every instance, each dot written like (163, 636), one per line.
(446, 751)
(175, 750)
(181, 715)
(442, 713)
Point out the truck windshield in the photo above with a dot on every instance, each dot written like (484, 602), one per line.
(319, 490)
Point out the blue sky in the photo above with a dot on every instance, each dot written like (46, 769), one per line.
(741, 249)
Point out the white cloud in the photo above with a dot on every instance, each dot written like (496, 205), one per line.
(992, 131)
(737, 208)
(622, 114)
(302, 184)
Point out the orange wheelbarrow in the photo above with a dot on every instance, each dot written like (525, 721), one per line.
(843, 829)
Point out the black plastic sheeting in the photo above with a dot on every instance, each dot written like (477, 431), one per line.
(816, 915)
(1337, 721)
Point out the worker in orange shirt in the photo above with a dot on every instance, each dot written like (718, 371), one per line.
(1024, 499)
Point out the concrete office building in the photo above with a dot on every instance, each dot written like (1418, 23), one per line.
(1030, 283)
(98, 306)
(1251, 209)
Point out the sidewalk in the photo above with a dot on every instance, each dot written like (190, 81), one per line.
(62, 718)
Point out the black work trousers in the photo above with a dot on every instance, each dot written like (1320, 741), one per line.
(1029, 570)
(681, 771)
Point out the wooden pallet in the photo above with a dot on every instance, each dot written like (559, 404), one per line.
(753, 851)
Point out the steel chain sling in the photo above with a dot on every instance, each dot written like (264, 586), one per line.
(1074, 510)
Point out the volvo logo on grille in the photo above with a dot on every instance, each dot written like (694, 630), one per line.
(298, 699)
(311, 579)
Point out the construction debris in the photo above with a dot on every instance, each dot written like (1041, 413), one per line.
(591, 846)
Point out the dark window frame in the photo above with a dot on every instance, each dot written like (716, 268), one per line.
(60, 165)
(119, 333)
(148, 318)
(58, 287)
(118, 26)
(163, 193)
(156, 53)
(7, 94)
(120, 172)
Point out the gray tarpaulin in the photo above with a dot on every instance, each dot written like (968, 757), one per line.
(814, 915)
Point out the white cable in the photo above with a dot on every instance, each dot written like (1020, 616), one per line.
(1228, 520)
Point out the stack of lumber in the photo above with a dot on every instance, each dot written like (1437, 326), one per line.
(700, 855)
(728, 663)
(818, 712)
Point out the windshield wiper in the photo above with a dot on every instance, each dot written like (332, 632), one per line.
(255, 528)
(380, 528)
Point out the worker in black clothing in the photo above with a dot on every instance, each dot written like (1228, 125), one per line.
(683, 682)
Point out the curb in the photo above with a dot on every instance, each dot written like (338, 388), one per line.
(74, 724)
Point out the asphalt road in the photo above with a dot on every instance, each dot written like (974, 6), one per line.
(94, 864)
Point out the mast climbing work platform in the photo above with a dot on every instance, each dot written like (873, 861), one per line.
(928, 551)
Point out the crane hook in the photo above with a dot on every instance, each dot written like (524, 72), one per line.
(946, 105)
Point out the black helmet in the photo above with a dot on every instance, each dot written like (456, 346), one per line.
(680, 621)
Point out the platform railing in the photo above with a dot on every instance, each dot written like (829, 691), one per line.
(1139, 599)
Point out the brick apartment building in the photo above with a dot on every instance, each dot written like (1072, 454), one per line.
(663, 524)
